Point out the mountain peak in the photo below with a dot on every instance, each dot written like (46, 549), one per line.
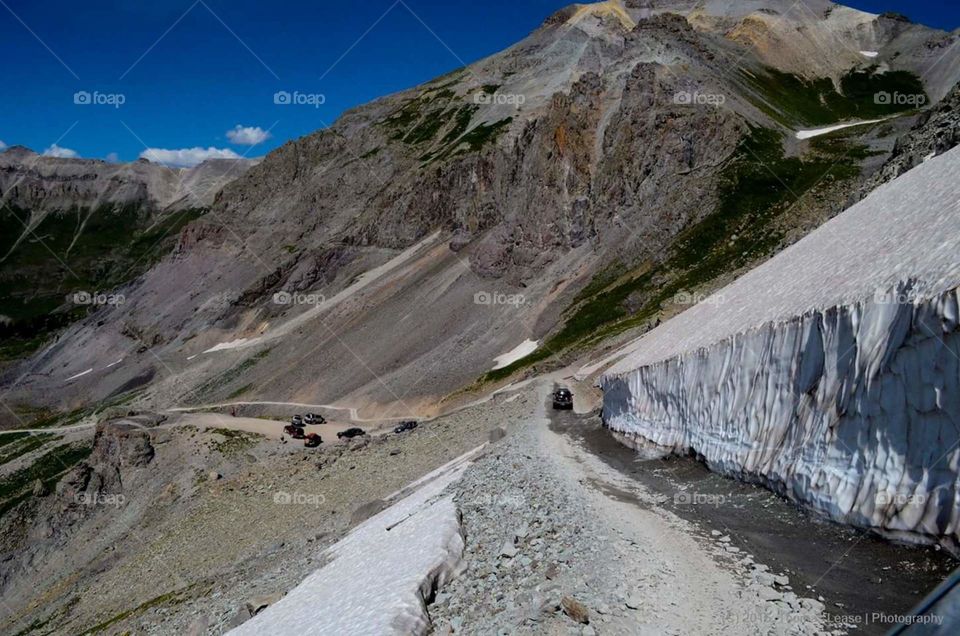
(18, 152)
(608, 8)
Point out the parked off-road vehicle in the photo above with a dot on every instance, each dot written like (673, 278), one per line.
(351, 433)
(404, 426)
(563, 399)
(296, 432)
(312, 440)
(296, 420)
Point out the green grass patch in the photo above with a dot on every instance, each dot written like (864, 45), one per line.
(214, 384)
(14, 445)
(419, 118)
(438, 120)
(10, 438)
(81, 249)
(484, 134)
(168, 599)
(792, 100)
(45, 418)
(239, 392)
(48, 468)
(234, 442)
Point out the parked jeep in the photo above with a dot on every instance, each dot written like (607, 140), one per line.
(350, 433)
(407, 425)
(296, 432)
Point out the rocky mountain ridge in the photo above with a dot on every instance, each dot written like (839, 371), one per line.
(35, 182)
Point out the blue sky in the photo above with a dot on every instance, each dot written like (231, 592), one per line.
(191, 71)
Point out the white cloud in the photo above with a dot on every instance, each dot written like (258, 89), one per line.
(186, 157)
(247, 135)
(112, 157)
(58, 151)
(3, 146)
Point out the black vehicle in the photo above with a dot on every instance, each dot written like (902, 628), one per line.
(296, 432)
(313, 418)
(351, 433)
(563, 399)
(404, 426)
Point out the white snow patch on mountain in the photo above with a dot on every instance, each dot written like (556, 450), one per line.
(379, 575)
(816, 132)
(239, 343)
(522, 350)
(870, 54)
(79, 375)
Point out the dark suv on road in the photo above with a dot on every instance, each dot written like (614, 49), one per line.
(350, 433)
(408, 425)
(563, 399)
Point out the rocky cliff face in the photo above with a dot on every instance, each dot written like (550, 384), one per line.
(935, 132)
(91, 495)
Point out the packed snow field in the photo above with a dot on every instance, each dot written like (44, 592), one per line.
(412, 546)
(831, 373)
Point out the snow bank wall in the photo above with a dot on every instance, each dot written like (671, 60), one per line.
(853, 410)
(380, 576)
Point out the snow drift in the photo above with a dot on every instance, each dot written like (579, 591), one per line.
(379, 577)
(831, 373)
